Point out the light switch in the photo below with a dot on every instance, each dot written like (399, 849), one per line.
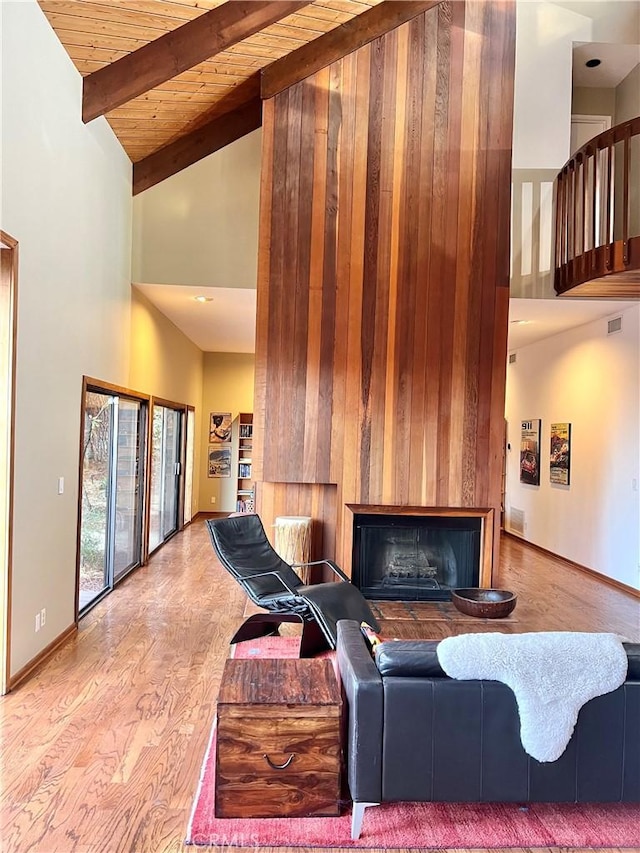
(60, 485)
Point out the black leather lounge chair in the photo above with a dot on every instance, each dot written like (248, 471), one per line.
(244, 550)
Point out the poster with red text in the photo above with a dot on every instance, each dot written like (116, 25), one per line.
(530, 452)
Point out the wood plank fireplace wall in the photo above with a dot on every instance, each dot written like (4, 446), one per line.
(383, 275)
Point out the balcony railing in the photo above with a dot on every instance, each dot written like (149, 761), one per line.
(597, 231)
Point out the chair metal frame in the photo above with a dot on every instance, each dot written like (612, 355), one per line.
(297, 605)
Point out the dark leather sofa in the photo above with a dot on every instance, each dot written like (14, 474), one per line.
(416, 735)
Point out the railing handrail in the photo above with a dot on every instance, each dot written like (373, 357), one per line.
(607, 138)
(589, 222)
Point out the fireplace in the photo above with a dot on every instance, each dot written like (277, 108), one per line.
(418, 554)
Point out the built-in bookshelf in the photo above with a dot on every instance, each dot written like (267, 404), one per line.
(244, 492)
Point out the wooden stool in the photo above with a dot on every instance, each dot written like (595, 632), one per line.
(293, 541)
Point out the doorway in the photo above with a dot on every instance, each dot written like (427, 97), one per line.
(188, 466)
(8, 302)
(166, 494)
(112, 464)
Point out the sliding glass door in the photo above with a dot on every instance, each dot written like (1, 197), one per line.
(113, 450)
(188, 466)
(96, 488)
(115, 485)
(128, 488)
(166, 457)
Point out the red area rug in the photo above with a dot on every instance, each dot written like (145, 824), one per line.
(268, 647)
(412, 825)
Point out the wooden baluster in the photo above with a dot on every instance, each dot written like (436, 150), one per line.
(625, 195)
(594, 202)
(558, 240)
(609, 213)
(565, 226)
(572, 227)
(582, 172)
(568, 225)
(574, 218)
(583, 218)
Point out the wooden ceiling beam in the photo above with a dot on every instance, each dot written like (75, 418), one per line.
(220, 130)
(346, 38)
(177, 51)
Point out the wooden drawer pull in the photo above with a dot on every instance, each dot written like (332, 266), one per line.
(279, 766)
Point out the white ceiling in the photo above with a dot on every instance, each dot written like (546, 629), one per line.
(548, 317)
(617, 60)
(227, 324)
(613, 20)
(615, 41)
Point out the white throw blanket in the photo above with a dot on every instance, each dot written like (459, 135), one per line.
(551, 673)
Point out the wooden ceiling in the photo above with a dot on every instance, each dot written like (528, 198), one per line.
(177, 79)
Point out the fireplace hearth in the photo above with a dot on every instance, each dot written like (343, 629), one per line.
(422, 557)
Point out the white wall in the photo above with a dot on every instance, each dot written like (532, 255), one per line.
(628, 107)
(166, 364)
(66, 197)
(613, 20)
(542, 111)
(593, 101)
(628, 96)
(200, 227)
(592, 381)
(541, 135)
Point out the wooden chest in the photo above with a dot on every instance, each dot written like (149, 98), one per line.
(278, 739)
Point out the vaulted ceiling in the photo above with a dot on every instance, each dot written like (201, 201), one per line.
(178, 79)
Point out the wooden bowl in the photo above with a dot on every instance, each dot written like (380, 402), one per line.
(484, 603)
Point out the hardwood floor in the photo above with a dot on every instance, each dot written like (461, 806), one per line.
(102, 746)
(552, 596)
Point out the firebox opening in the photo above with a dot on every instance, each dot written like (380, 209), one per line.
(415, 558)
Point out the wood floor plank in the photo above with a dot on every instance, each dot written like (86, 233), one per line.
(102, 746)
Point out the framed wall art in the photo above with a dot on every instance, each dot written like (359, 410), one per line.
(560, 454)
(219, 462)
(219, 427)
(530, 452)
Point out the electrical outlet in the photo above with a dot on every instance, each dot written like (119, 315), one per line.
(213, 500)
(37, 622)
(43, 617)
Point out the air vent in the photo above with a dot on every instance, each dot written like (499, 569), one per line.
(516, 521)
(512, 358)
(614, 325)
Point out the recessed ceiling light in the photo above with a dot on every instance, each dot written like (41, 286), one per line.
(203, 298)
(520, 322)
(593, 63)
